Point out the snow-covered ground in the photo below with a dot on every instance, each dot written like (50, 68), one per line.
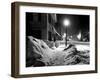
(60, 48)
(45, 56)
(81, 46)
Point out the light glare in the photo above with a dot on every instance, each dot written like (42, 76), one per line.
(66, 22)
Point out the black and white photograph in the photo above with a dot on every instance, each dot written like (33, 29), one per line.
(57, 39)
(51, 39)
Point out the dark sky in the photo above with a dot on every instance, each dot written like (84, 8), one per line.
(77, 23)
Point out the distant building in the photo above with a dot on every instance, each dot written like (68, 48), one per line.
(41, 25)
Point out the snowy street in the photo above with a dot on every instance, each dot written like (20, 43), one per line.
(81, 46)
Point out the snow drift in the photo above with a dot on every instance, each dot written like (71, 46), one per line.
(38, 53)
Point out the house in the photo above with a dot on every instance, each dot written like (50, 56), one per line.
(41, 25)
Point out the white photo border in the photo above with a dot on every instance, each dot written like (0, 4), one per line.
(53, 69)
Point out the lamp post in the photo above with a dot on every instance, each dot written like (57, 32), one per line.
(66, 23)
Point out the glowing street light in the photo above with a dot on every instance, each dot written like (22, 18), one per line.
(66, 23)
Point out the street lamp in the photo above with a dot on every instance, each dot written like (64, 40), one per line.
(66, 23)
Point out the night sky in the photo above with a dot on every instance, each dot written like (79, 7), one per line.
(77, 23)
